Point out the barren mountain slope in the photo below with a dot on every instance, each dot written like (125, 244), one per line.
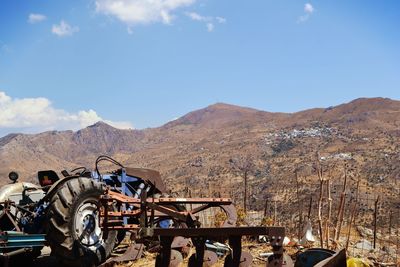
(197, 150)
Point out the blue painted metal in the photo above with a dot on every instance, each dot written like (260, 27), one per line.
(11, 239)
(124, 179)
(125, 187)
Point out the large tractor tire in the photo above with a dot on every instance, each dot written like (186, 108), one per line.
(73, 230)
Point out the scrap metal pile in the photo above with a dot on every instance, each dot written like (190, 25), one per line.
(84, 215)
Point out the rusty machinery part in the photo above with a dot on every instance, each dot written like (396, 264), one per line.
(176, 258)
(8, 221)
(231, 215)
(237, 258)
(133, 253)
(209, 259)
(145, 208)
(182, 244)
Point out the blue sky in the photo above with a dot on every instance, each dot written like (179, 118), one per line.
(65, 64)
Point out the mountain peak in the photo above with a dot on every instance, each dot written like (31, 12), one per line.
(100, 124)
(369, 105)
(375, 101)
(227, 107)
(217, 114)
(221, 105)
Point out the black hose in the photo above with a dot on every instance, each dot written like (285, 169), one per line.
(105, 158)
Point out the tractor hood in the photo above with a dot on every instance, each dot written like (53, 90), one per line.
(11, 191)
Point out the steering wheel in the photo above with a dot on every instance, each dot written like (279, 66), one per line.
(79, 168)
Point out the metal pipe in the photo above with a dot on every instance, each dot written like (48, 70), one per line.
(15, 252)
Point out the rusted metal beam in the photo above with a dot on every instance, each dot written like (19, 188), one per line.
(121, 227)
(277, 234)
(176, 214)
(110, 195)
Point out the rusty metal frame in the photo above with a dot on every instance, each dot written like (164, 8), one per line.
(7, 214)
(153, 207)
(146, 208)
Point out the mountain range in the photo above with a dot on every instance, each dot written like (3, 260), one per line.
(198, 150)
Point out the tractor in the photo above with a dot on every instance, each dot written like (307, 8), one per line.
(84, 214)
(63, 212)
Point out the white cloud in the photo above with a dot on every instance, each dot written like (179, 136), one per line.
(38, 114)
(35, 18)
(210, 27)
(308, 10)
(197, 17)
(208, 20)
(64, 29)
(133, 12)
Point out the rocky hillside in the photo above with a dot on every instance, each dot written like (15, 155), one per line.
(200, 150)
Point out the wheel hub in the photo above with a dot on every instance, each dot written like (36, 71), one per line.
(87, 224)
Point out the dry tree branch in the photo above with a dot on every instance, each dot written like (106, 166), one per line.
(321, 192)
(339, 220)
(328, 220)
(245, 165)
(299, 204)
(352, 216)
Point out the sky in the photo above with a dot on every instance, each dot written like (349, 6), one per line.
(142, 63)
